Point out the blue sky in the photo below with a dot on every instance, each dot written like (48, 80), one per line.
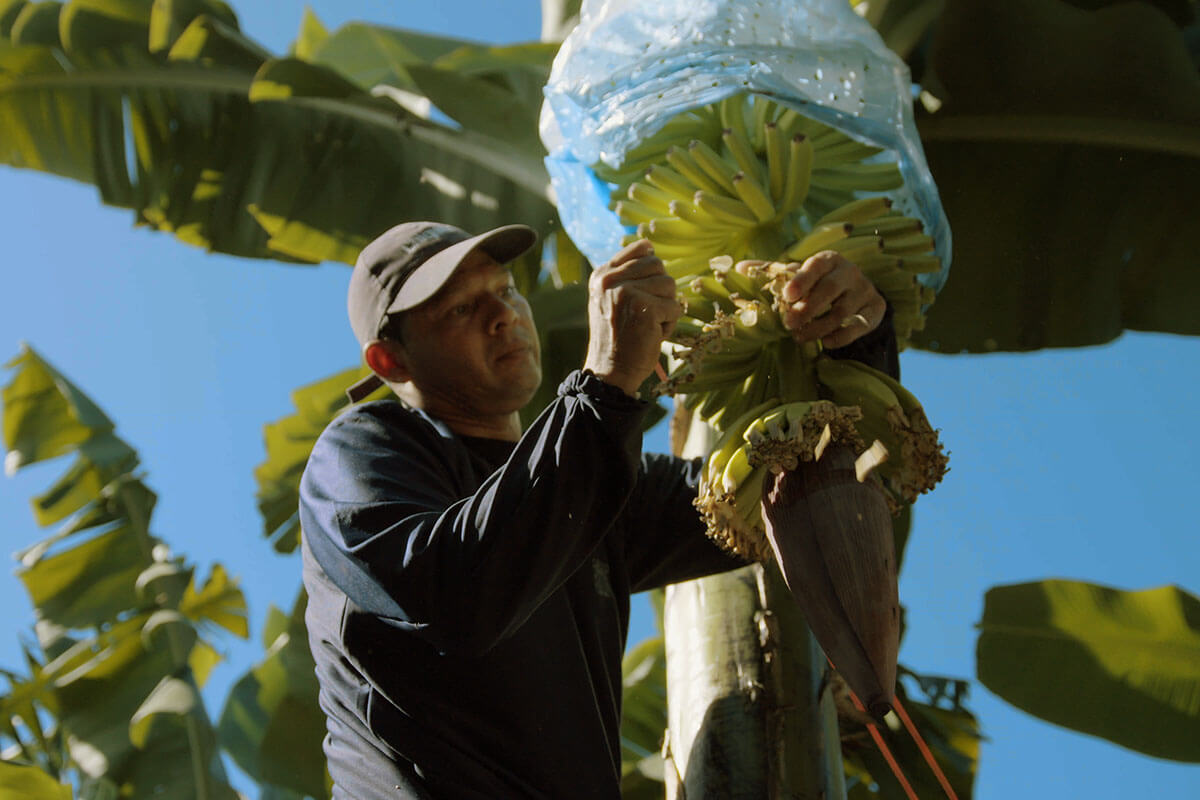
(1070, 464)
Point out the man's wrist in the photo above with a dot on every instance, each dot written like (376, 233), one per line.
(616, 379)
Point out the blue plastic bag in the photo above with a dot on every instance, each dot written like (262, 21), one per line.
(629, 67)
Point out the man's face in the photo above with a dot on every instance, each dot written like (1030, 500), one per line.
(472, 348)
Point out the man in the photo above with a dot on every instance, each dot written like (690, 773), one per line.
(469, 581)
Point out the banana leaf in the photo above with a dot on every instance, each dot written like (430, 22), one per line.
(239, 152)
(495, 91)
(644, 713)
(272, 725)
(1124, 666)
(118, 618)
(1067, 151)
(30, 783)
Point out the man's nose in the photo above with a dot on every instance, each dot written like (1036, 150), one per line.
(501, 313)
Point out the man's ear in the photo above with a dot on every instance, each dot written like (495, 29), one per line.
(388, 360)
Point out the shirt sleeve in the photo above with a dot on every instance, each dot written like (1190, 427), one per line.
(385, 513)
(877, 349)
(665, 538)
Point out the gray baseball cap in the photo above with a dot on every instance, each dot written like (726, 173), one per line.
(407, 265)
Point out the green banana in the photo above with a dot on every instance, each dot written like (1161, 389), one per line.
(713, 401)
(650, 197)
(742, 285)
(632, 212)
(840, 149)
(674, 230)
(908, 244)
(710, 288)
(762, 111)
(737, 468)
(747, 498)
(818, 239)
(668, 180)
(890, 225)
(858, 210)
(858, 177)
(687, 211)
(826, 138)
(726, 209)
(713, 165)
(679, 159)
(860, 249)
(917, 461)
(777, 164)
(731, 440)
(714, 373)
(742, 151)
(772, 425)
(754, 196)
(921, 264)
(731, 113)
(895, 282)
(685, 266)
(799, 173)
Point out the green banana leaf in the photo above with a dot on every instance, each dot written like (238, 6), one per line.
(239, 152)
(495, 91)
(644, 713)
(271, 724)
(1067, 152)
(30, 783)
(1124, 666)
(27, 722)
(118, 618)
(288, 443)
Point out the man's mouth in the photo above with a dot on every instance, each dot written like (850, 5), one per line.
(516, 351)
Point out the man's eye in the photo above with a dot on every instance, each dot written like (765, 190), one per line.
(461, 310)
(508, 291)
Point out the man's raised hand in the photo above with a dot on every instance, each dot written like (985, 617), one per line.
(830, 299)
(632, 307)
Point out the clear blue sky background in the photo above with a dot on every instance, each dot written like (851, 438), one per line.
(1077, 464)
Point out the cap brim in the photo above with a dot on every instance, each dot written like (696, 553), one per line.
(503, 244)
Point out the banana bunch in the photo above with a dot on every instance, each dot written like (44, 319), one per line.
(789, 160)
(730, 353)
(728, 349)
(749, 179)
(893, 416)
(742, 174)
(767, 439)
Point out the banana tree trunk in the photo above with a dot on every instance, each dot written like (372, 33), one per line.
(749, 714)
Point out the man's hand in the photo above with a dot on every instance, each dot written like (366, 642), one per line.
(831, 301)
(631, 308)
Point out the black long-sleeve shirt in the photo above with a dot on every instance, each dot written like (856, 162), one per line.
(469, 598)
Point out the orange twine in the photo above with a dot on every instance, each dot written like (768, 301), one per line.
(873, 729)
(926, 753)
